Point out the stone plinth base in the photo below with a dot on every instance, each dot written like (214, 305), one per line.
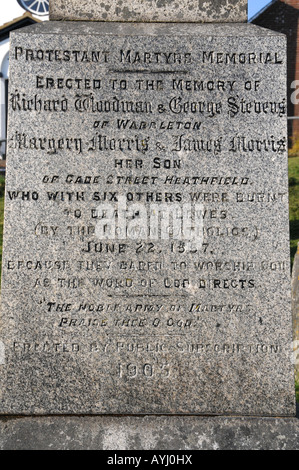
(148, 433)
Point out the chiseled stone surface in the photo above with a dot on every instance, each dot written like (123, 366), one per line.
(202, 11)
(148, 433)
(182, 117)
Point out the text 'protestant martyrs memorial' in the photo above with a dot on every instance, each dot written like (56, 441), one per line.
(146, 258)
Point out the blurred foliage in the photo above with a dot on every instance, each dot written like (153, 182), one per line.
(294, 150)
(294, 202)
(2, 189)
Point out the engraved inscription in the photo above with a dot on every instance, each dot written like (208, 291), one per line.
(146, 234)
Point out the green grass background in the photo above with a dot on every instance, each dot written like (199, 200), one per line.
(294, 215)
(294, 203)
(2, 188)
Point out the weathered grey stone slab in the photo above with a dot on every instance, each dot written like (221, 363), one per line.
(187, 118)
(150, 433)
(204, 11)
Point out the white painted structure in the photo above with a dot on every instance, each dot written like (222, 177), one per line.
(4, 74)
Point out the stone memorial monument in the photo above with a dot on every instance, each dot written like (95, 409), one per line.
(146, 261)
